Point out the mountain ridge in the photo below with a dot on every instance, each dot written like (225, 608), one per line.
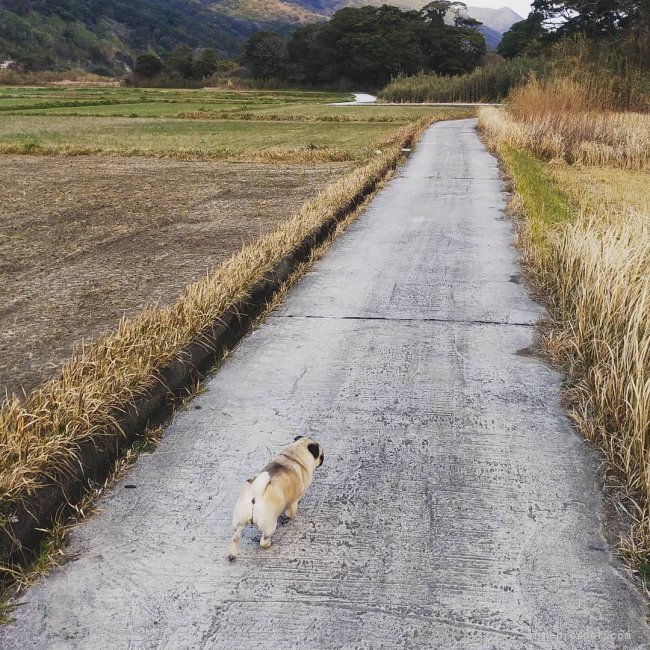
(104, 36)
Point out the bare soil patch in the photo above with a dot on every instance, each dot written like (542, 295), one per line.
(85, 241)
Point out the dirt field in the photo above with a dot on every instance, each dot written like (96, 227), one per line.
(86, 240)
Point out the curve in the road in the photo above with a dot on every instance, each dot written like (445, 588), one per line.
(360, 99)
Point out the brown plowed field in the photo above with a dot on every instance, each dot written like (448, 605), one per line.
(85, 240)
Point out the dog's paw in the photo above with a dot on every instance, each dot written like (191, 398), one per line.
(231, 558)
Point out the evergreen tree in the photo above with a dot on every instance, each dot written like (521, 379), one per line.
(266, 55)
(148, 66)
(206, 65)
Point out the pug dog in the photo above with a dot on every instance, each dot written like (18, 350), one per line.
(277, 489)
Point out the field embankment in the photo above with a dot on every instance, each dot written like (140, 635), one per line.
(114, 241)
(582, 185)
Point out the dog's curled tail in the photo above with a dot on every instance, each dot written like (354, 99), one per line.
(259, 485)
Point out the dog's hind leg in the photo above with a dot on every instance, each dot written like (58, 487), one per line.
(234, 543)
(241, 518)
(292, 510)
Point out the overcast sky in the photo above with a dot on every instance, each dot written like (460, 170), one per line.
(522, 7)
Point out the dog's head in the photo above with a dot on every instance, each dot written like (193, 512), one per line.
(313, 447)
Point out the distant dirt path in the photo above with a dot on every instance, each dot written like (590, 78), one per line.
(456, 507)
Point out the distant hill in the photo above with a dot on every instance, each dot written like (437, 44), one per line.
(105, 35)
(496, 22)
(491, 36)
(500, 20)
(285, 12)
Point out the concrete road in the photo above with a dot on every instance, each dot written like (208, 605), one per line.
(360, 99)
(456, 507)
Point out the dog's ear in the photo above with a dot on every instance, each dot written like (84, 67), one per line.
(314, 449)
(297, 438)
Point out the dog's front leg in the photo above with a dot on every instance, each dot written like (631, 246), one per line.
(267, 533)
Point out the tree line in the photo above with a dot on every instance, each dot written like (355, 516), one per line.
(602, 45)
(616, 25)
(370, 45)
(182, 65)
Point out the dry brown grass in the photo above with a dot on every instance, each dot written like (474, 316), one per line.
(593, 266)
(599, 278)
(53, 552)
(557, 119)
(298, 156)
(16, 578)
(40, 434)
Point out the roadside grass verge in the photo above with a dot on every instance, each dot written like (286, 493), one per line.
(41, 434)
(543, 203)
(14, 579)
(52, 552)
(585, 240)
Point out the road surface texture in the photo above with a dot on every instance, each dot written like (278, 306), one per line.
(456, 507)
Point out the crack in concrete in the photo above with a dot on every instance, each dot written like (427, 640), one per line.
(423, 319)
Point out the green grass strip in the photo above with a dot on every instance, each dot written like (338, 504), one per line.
(543, 203)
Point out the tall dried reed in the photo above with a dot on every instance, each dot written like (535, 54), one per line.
(488, 83)
(559, 119)
(598, 278)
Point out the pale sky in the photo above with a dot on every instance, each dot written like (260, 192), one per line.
(522, 7)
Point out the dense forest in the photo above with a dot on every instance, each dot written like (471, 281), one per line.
(369, 46)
